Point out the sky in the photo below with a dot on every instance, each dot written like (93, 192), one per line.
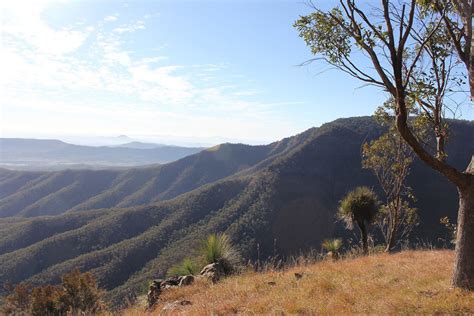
(181, 72)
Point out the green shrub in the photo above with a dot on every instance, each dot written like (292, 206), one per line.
(332, 245)
(186, 267)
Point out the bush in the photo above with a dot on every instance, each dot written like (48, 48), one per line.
(81, 292)
(18, 302)
(78, 293)
(46, 300)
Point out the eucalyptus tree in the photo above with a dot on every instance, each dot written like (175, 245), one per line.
(414, 58)
(458, 27)
(389, 158)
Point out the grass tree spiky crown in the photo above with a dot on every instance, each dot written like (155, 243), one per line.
(359, 205)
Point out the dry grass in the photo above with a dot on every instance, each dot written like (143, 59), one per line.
(403, 283)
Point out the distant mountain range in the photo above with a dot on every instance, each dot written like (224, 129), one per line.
(37, 154)
(129, 226)
(140, 145)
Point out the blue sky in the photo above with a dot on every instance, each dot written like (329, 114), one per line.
(169, 71)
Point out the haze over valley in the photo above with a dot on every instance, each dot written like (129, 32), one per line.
(37, 154)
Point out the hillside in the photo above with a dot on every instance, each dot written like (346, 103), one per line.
(44, 154)
(28, 194)
(282, 196)
(412, 282)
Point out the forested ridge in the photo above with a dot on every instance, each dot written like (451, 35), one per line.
(136, 223)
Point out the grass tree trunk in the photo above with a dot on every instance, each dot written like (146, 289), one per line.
(364, 236)
(463, 275)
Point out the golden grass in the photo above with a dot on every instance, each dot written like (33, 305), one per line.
(403, 283)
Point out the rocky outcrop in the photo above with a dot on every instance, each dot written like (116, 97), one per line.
(157, 286)
(186, 280)
(213, 272)
(154, 292)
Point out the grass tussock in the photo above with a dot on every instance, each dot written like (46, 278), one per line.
(407, 282)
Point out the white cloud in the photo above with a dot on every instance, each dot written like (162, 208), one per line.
(111, 18)
(21, 22)
(59, 80)
(130, 28)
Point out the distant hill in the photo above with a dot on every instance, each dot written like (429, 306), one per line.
(19, 153)
(282, 196)
(140, 145)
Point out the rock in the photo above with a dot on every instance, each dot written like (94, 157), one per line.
(214, 271)
(170, 282)
(154, 292)
(157, 286)
(272, 283)
(186, 280)
(176, 305)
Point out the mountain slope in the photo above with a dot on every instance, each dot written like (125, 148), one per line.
(282, 197)
(49, 193)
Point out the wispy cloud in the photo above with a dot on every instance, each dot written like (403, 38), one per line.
(111, 18)
(76, 72)
(130, 27)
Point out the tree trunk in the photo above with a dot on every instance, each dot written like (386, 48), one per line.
(463, 275)
(471, 54)
(471, 81)
(391, 240)
(393, 225)
(364, 236)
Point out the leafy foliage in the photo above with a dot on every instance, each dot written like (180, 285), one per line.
(390, 158)
(451, 227)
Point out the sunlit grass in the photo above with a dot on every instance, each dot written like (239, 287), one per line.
(403, 283)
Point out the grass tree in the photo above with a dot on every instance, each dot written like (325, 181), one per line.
(218, 248)
(332, 246)
(359, 207)
(419, 53)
